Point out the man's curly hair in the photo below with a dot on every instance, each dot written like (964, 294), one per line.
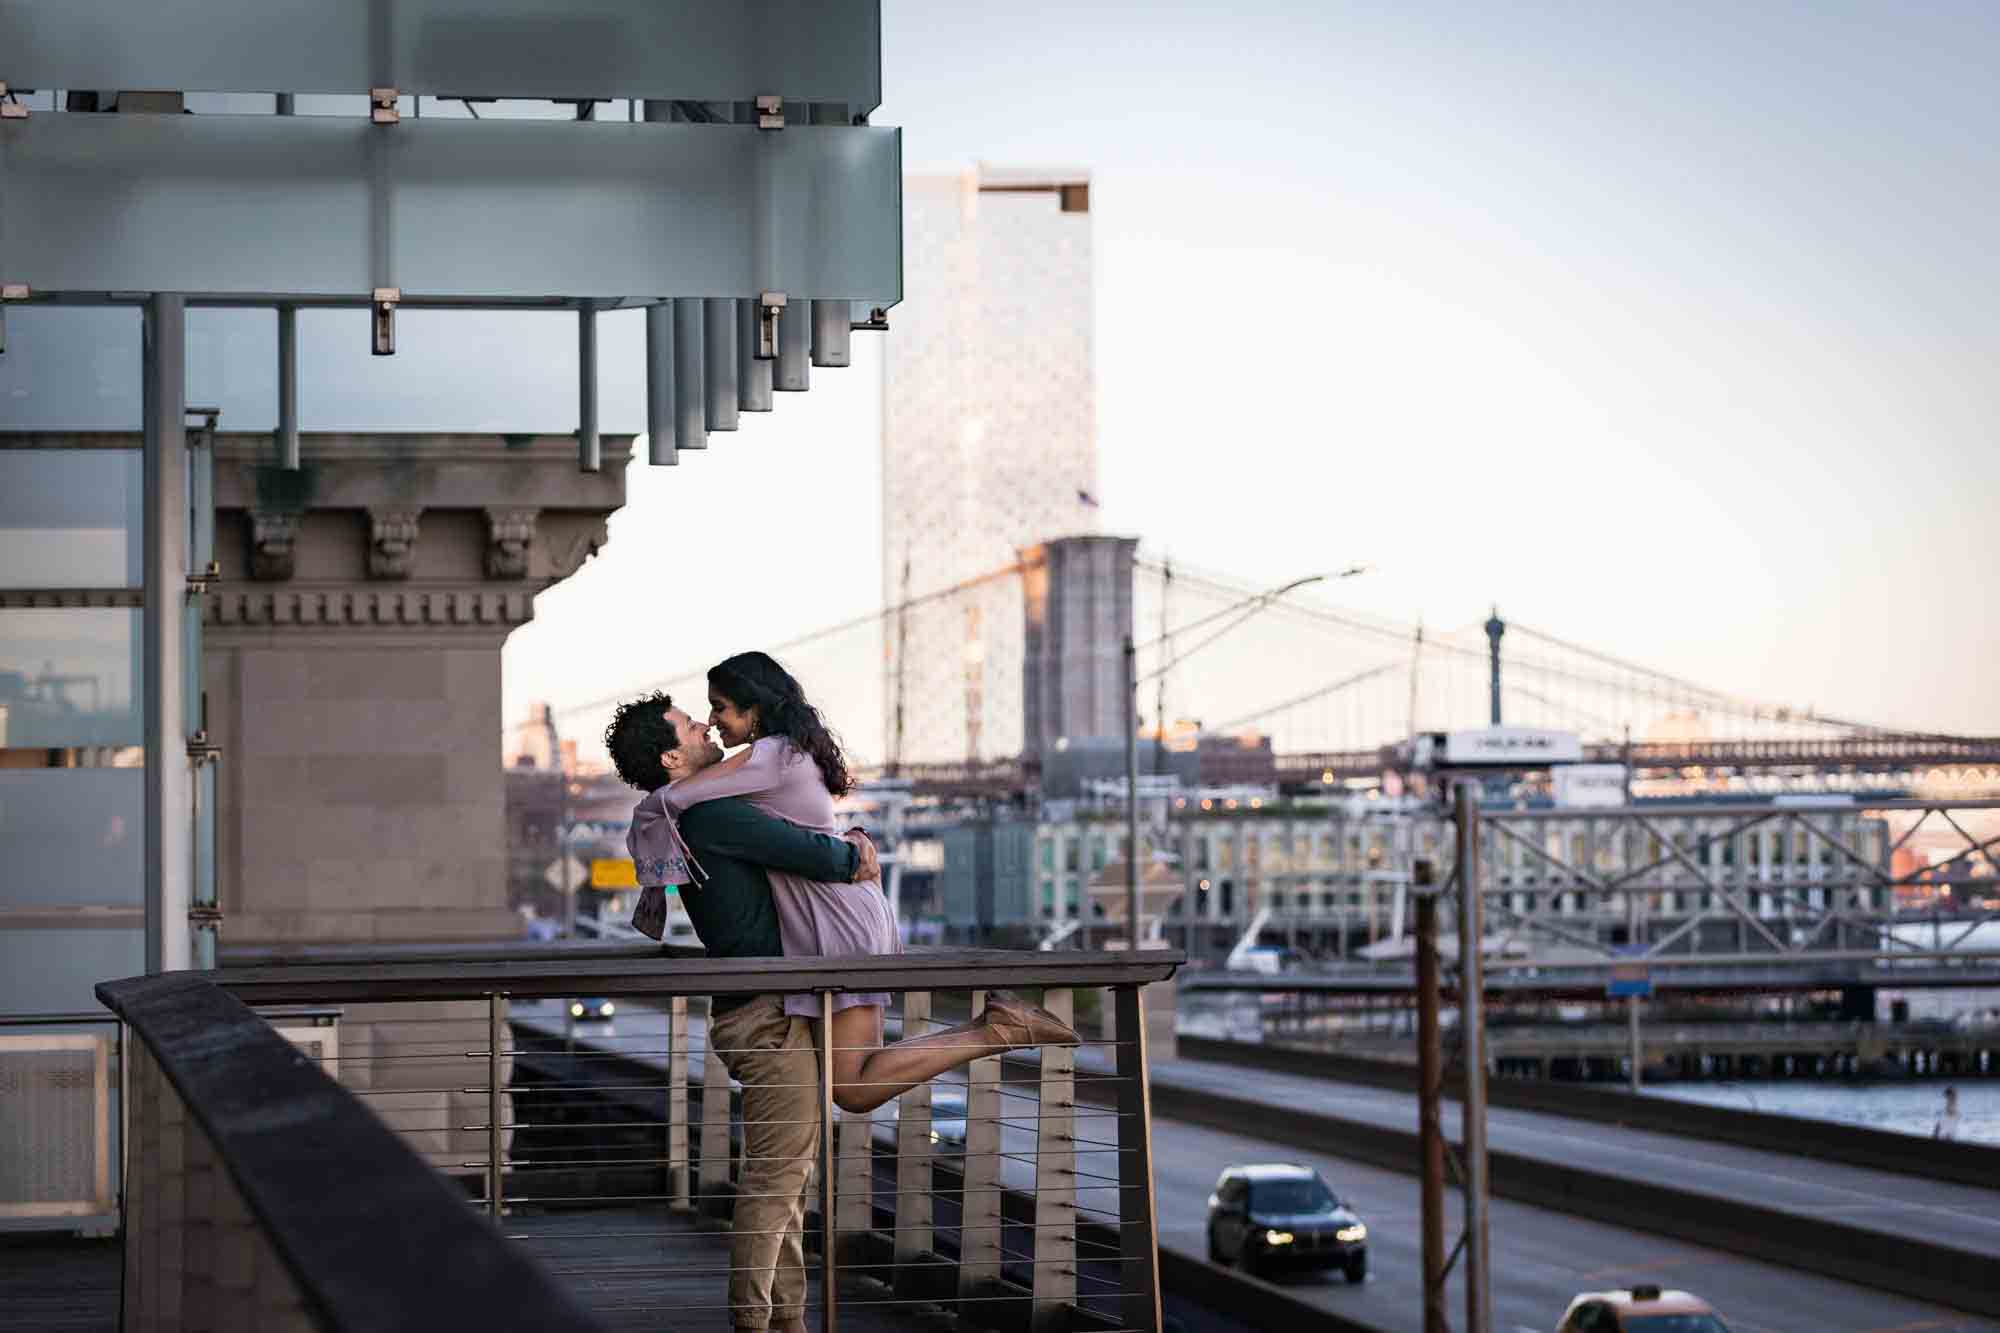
(638, 735)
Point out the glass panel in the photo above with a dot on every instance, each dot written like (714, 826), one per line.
(53, 971)
(529, 48)
(73, 836)
(70, 518)
(69, 678)
(70, 368)
(482, 209)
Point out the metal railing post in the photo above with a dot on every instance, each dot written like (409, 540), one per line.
(979, 1209)
(914, 1176)
(677, 1101)
(829, 1301)
(1138, 1234)
(496, 1003)
(856, 1182)
(714, 1157)
(1055, 1177)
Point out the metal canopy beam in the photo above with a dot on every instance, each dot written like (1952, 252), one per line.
(267, 208)
(700, 50)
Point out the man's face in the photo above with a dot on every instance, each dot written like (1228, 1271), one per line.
(696, 750)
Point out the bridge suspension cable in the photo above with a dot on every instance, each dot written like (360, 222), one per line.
(803, 640)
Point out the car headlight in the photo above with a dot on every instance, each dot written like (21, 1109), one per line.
(1277, 1238)
(935, 1138)
(609, 1009)
(575, 1010)
(1348, 1235)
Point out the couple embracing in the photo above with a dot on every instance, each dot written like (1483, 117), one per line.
(764, 872)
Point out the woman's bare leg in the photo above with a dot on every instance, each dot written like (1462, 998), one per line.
(867, 1074)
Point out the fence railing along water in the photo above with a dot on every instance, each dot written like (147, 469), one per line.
(577, 1098)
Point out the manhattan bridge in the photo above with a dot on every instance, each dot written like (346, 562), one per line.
(1750, 826)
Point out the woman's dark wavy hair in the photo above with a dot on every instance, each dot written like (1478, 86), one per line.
(638, 735)
(755, 680)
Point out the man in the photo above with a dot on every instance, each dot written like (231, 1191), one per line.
(653, 743)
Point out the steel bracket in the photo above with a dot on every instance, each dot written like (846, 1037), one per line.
(205, 915)
(9, 291)
(770, 306)
(770, 112)
(202, 750)
(384, 301)
(382, 106)
(197, 582)
(877, 322)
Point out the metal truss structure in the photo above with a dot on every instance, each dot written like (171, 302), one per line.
(1766, 881)
(1869, 760)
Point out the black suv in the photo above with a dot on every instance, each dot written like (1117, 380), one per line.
(1274, 1215)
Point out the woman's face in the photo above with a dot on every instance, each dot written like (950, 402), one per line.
(736, 725)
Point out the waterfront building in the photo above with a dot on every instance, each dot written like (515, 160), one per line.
(1329, 880)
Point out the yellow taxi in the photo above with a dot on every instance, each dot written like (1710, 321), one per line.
(1641, 1309)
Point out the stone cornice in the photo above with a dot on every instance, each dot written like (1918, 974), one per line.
(430, 446)
(478, 606)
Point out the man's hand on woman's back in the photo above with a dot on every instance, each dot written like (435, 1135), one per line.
(867, 865)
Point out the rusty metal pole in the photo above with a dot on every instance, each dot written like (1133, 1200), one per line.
(1472, 1033)
(1430, 1080)
(1131, 798)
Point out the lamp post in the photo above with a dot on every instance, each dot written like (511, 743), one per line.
(1249, 607)
(562, 821)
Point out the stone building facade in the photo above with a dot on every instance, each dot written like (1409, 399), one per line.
(353, 672)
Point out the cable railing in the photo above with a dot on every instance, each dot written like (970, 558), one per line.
(666, 1166)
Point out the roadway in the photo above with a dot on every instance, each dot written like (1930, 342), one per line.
(1540, 1257)
(1965, 1216)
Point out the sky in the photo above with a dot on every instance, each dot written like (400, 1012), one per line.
(1666, 328)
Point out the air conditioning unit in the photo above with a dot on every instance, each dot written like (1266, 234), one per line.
(55, 1128)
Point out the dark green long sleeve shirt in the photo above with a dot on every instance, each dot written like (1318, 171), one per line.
(732, 909)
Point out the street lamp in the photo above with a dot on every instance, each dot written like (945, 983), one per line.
(1248, 607)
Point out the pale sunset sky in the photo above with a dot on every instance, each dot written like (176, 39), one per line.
(1669, 328)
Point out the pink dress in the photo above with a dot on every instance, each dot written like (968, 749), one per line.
(815, 919)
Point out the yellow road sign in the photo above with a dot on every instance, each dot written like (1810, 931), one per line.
(618, 872)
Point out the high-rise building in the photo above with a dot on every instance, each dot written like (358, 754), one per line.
(989, 442)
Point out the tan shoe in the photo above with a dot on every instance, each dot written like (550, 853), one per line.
(1020, 1024)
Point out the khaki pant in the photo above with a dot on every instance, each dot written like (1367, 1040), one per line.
(772, 1056)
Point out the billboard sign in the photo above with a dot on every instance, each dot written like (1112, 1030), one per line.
(1497, 747)
(1590, 786)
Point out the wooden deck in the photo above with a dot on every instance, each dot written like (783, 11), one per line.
(58, 1284)
(636, 1268)
(654, 1270)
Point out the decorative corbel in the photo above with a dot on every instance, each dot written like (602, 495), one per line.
(510, 535)
(392, 541)
(272, 535)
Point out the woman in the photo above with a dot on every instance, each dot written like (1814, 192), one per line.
(792, 768)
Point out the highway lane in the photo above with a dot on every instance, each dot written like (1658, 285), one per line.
(1540, 1257)
(1965, 1215)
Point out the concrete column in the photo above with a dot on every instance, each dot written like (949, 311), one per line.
(169, 832)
